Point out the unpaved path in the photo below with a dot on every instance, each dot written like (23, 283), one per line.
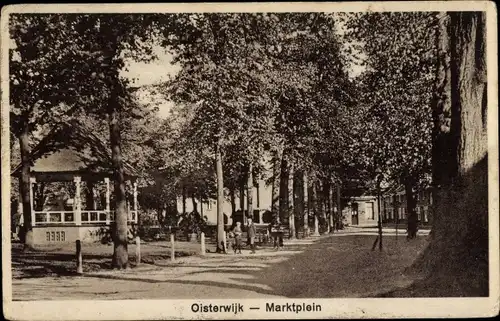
(341, 265)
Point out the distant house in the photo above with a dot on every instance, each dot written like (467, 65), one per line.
(362, 209)
(393, 205)
(208, 208)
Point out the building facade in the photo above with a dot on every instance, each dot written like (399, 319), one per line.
(393, 205)
(361, 211)
(262, 202)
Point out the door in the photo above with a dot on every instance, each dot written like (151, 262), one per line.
(354, 215)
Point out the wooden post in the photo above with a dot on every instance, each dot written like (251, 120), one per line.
(108, 210)
(77, 201)
(225, 242)
(172, 247)
(138, 250)
(79, 260)
(32, 181)
(202, 238)
(339, 208)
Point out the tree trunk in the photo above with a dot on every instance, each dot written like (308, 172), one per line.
(442, 156)
(298, 201)
(338, 216)
(327, 189)
(291, 207)
(410, 208)
(379, 216)
(305, 203)
(120, 254)
(195, 204)
(220, 202)
(24, 187)
(275, 190)
(283, 193)
(250, 191)
(459, 243)
(233, 202)
(330, 208)
(160, 213)
(184, 199)
(314, 206)
(242, 198)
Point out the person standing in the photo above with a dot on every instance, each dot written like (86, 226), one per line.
(273, 231)
(252, 233)
(237, 237)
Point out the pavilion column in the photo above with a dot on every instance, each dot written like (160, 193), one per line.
(108, 209)
(78, 201)
(32, 207)
(135, 202)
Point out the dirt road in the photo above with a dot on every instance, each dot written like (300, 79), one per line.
(340, 265)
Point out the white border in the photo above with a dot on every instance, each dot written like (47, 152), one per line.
(332, 308)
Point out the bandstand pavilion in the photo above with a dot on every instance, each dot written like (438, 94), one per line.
(67, 219)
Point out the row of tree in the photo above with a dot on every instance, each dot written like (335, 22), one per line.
(252, 90)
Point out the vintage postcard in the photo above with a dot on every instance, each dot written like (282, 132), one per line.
(266, 160)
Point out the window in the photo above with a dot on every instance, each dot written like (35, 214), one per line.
(418, 213)
(55, 236)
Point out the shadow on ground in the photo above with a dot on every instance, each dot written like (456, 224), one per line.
(332, 267)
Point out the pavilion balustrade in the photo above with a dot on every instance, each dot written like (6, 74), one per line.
(87, 217)
(79, 216)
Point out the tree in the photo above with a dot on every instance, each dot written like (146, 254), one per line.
(219, 59)
(92, 47)
(459, 244)
(396, 91)
(310, 87)
(42, 90)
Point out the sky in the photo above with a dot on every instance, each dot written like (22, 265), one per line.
(159, 70)
(151, 73)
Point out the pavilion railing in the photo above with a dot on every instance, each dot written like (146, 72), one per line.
(87, 217)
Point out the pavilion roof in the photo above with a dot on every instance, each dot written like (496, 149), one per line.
(70, 148)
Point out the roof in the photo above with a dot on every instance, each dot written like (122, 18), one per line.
(71, 148)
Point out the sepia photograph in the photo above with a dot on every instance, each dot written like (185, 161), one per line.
(258, 160)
